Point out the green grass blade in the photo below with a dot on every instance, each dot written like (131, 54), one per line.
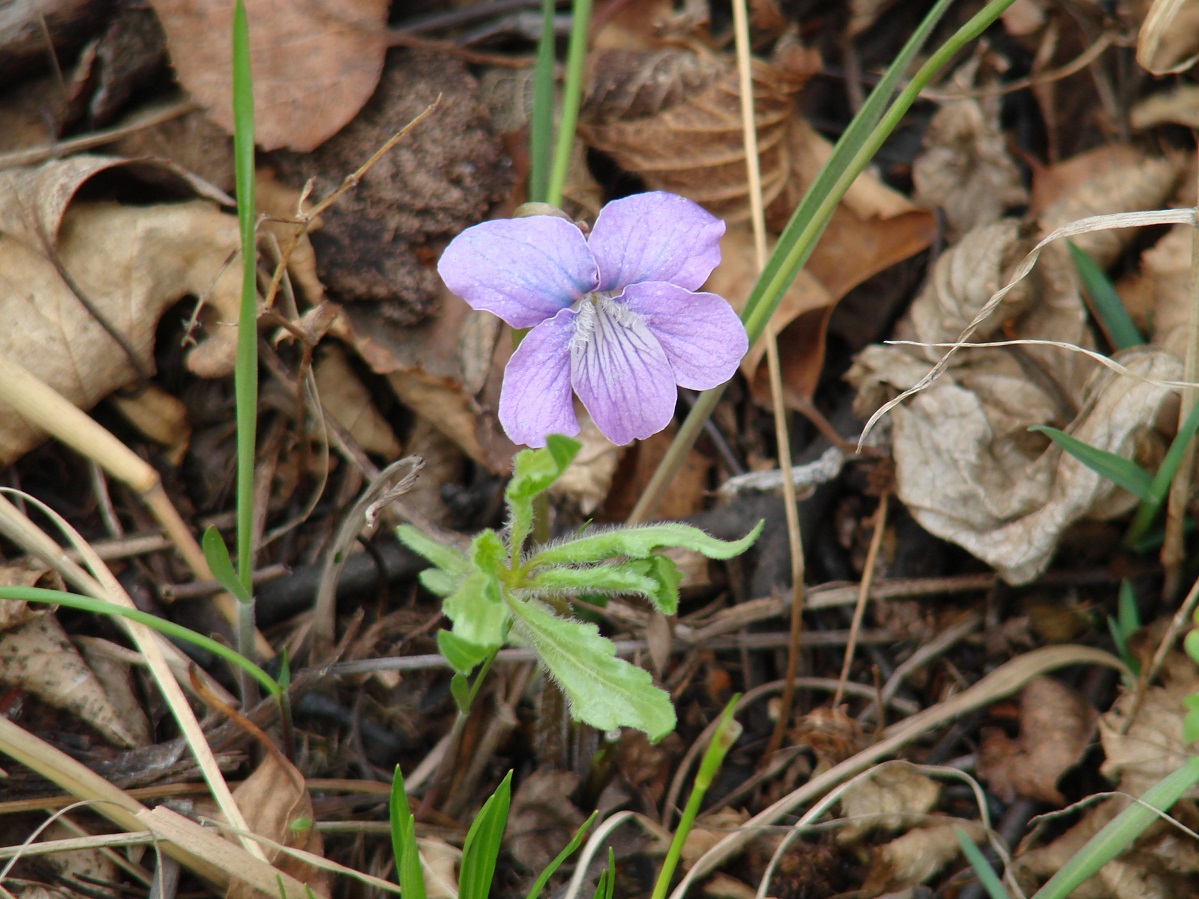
(246, 371)
(541, 127)
(1120, 471)
(850, 156)
(169, 628)
(403, 841)
(1105, 303)
(607, 880)
(1165, 474)
(544, 877)
(1121, 832)
(572, 96)
(986, 875)
(482, 845)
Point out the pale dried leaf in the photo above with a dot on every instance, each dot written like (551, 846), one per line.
(1161, 293)
(916, 856)
(1168, 41)
(14, 613)
(710, 829)
(158, 416)
(346, 399)
(1113, 178)
(1056, 729)
(111, 665)
(542, 818)
(38, 657)
(965, 168)
(314, 64)
(896, 797)
(1179, 106)
(277, 806)
(1141, 752)
(588, 479)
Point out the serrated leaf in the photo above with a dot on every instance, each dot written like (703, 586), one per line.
(533, 471)
(463, 655)
(216, 554)
(445, 557)
(478, 610)
(482, 844)
(1120, 471)
(403, 841)
(604, 691)
(642, 542)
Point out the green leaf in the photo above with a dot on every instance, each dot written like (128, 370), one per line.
(1120, 471)
(568, 850)
(1190, 724)
(459, 687)
(607, 879)
(445, 557)
(216, 554)
(438, 582)
(482, 845)
(593, 578)
(487, 552)
(1164, 475)
(462, 654)
(668, 577)
(533, 471)
(642, 542)
(478, 610)
(403, 841)
(986, 875)
(604, 691)
(1105, 303)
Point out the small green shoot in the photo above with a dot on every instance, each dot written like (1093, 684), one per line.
(726, 734)
(986, 875)
(1105, 304)
(567, 851)
(607, 879)
(1125, 623)
(482, 845)
(403, 841)
(502, 589)
(541, 125)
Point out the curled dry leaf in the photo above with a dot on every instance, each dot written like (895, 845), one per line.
(966, 465)
(896, 797)
(1143, 750)
(1160, 295)
(130, 262)
(1056, 729)
(543, 818)
(347, 400)
(914, 857)
(277, 806)
(588, 479)
(314, 64)
(447, 369)
(38, 658)
(673, 117)
(1168, 41)
(965, 169)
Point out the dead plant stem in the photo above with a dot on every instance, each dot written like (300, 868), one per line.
(859, 609)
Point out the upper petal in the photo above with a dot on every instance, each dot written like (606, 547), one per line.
(524, 270)
(535, 399)
(656, 236)
(621, 373)
(700, 333)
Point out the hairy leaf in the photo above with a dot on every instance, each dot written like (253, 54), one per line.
(642, 542)
(604, 691)
(534, 471)
(443, 556)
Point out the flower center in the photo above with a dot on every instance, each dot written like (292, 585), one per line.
(598, 311)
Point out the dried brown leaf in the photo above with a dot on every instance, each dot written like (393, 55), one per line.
(38, 657)
(673, 117)
(277, 806)
(1056, 728)
(916, 856)
(542, 818)
(314, 64)
(896, 797)
(1168, 41)
(346, 399)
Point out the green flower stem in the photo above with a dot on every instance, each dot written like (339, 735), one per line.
(723, 739)
(169, 628)
(806, 226)
(541, 128)
(572, 95)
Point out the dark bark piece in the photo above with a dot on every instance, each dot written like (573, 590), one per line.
(444, 176)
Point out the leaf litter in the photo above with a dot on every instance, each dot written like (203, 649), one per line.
(106, 258)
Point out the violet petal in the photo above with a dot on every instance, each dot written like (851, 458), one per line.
(655, 236)
(700, 333)
(524, 270)
(621, 373)
(535, 399)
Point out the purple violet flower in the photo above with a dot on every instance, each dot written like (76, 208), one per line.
(615, 316)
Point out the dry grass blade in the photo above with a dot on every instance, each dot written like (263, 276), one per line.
(1000, 683)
